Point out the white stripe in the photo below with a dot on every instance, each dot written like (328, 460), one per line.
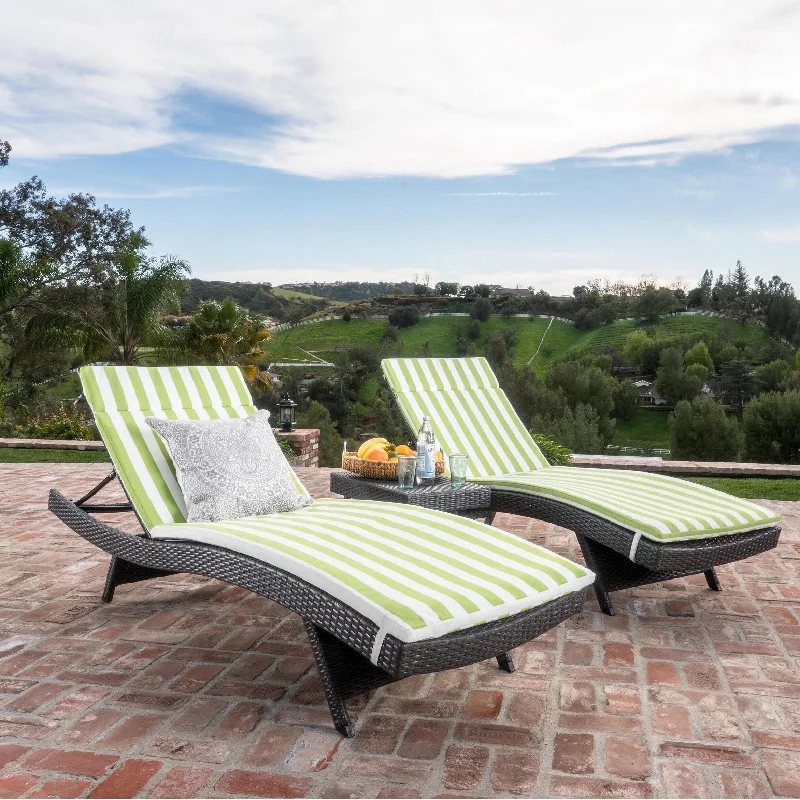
(634, 545)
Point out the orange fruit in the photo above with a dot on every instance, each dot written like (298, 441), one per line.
(404, 450)
(376, 454)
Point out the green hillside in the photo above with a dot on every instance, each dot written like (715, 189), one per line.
(439, 334)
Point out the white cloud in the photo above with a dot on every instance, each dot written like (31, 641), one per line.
(782, 235)
(370, 89)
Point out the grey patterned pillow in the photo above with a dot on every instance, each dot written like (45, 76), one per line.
(229, 468)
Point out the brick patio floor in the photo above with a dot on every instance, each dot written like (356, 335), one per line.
(189, 687)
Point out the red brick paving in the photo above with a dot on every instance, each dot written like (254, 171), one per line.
(185, 686)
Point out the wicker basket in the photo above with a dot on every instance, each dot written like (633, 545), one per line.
(380, 470)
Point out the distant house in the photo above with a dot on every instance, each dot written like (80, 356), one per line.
(515, 292)
(648, 396)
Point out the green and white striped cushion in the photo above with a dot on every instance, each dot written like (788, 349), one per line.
(418, 574)
(469, 411)
(121, 397)
(454, 392)
(659, 507)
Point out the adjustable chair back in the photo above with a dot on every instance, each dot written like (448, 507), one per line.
(121, 398)
(470, 412)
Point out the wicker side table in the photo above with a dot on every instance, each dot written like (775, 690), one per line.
(469, 501)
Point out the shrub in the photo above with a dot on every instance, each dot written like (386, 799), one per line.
(390, 333)
(481, 309)
(404, 316)
(347, 316)
(700, 430)
(473, 329)
(330, 442)
(556, 454)
(771, 376)
(771, 428)
(579, 430)
(61, 424)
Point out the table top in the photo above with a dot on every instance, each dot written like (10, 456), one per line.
(439, 495)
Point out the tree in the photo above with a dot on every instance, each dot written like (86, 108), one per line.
(654, 303)
(224, 333)
(673, 382)
(742, 306)
(738, 383)
(772, 434)
(585, 384)
(404, 316)
(115, 319)
(481, 309)
(579, 430)
(635, 344)
(626, 400)
(496, 350)
(5, 150)
(698, 354)
(330, 442)
(443, 289)
(483, 290)
(700, 431)
(71, 239)
(473, 330)
(770, 376)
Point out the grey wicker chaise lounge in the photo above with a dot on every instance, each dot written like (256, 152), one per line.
(633, 528)
(384, 591)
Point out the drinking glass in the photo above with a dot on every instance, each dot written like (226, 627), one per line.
(458, 470)
(406, 470)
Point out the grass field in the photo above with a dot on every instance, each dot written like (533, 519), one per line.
(289, 294)
(13, 455)
(755, 488)
(439, 334)
(646, 426)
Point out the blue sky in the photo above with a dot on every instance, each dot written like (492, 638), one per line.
(520, 146)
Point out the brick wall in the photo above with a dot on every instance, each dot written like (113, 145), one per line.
(305, 443)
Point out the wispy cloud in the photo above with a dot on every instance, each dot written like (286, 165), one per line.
(335, 94)
(502, 194)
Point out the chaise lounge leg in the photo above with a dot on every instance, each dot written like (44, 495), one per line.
(506, 663)
(712, 580)
(341, 719)
(121, 571)
(589, 556)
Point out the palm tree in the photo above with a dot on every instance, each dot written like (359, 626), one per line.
(117, 318)
(224, 333)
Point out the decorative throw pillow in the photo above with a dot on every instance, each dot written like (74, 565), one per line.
(229, 468)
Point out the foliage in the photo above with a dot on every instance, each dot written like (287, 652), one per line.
(258, 298)
(635, 344)
(700, 430)
(347, 291)
(770, 377)
(473, 329)
(112, 320)
(287, 451)
(698, 354)
(330, 442)
(496, 350)
(61, 424)
(579, 430)
(224, 333)
(626, 400)
(481, 309)
(68, 239)
(18, 455)
(673, 382)
(583, 382)
(738, 383)
(653, 303)
(556, 454)
(404, 316)
(444, 288)
(771, 429)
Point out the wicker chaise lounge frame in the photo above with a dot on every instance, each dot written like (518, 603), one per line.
(340, 637)
(606, 547)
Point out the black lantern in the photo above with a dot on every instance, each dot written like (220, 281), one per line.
(286, 412)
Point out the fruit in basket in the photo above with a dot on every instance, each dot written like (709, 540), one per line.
(377, 453)
(371, 444)
(404, 450)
